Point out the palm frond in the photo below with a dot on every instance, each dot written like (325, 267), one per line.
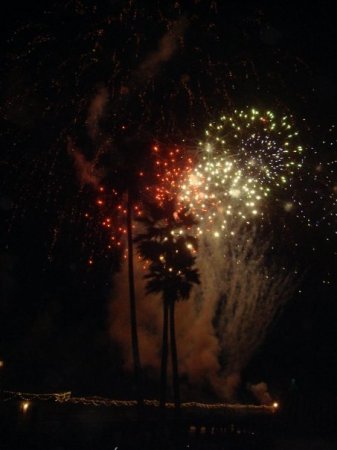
(171, 268)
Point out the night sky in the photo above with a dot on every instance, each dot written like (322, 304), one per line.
(56, 268)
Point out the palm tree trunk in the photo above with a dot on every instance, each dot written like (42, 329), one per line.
(174, 355)
(133, 312)
(164, 355)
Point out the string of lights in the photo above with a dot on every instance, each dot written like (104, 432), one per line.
(65, 397)
(57, 397)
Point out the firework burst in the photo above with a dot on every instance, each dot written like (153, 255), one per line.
(245, 158)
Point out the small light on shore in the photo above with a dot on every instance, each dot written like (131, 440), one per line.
(275, 405)
(25, 406)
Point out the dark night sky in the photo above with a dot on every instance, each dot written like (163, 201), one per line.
(54, 308)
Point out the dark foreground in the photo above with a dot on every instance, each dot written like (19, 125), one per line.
(62, 426)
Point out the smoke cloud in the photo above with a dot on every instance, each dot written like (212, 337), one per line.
(95, 112)
(166, 48)
(222, 324)
(148, 315)
(260, 392)
(85, 170)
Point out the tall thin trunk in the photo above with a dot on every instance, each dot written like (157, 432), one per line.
(132, 298)
(174, 355)
(164, 355)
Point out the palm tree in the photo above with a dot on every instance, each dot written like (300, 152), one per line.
(168, 247)
(130, 158)
(132, 299)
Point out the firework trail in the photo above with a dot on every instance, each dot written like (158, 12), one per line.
(247, 162)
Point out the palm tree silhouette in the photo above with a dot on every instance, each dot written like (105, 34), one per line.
(168, 247)
(130, 159)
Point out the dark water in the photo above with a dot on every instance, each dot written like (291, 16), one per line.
(132, 439)
(67, 427)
